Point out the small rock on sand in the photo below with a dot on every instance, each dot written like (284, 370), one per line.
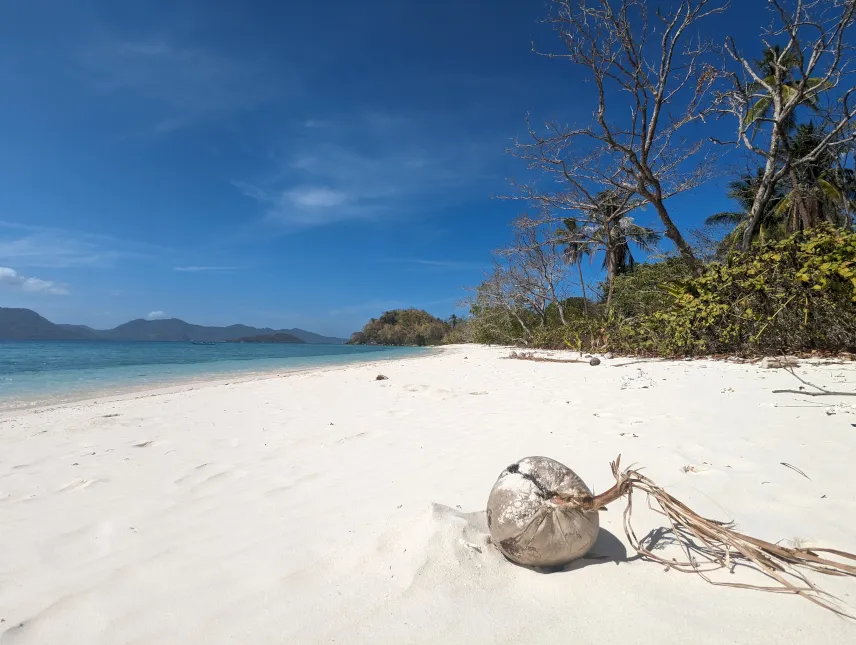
(381, 377)
(594, 361)
(609, 356)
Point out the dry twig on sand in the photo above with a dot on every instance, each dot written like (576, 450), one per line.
(821, 391)
(523, 356)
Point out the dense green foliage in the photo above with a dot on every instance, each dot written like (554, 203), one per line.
(402, 327)
(797, 294)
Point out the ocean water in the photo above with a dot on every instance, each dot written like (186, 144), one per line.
(35, 372)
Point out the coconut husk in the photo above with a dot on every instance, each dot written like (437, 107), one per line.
(529, 520)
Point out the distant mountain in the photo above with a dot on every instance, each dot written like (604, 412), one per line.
(24, 324)
(173, 329)
(83, 330)
(309, 337)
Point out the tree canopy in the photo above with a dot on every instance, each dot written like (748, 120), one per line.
(412, 326)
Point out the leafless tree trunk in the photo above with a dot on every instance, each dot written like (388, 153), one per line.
(813, 38)
(498, 291)
(632, 147)
(537, 268)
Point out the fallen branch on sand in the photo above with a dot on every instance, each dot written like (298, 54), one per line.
(814, 393)
(821, 392)
(523, 356)
(535, 501)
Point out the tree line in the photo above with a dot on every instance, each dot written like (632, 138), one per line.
(663, 97)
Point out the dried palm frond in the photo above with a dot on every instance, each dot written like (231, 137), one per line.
(711, 544)
(523, 356)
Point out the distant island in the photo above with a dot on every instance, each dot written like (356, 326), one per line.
(25, 324)
(278, 337)
(413, 327)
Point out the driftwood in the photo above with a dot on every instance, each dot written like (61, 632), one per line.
(523, 356)
(824, 393)
(821, 391)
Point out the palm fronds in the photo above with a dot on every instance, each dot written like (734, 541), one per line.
(710, 544)
(725, 217)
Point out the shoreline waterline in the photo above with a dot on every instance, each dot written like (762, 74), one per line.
(167, 382)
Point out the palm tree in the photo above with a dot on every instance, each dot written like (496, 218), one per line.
(812, 193)
(778, 70)
(608, 228)
(810, 187)
(616, 238)
(743, 191)
(819, 191)
(576, 247)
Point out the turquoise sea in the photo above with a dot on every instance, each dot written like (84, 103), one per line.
(35, 372)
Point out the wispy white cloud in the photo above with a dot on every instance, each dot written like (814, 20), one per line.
(52, 249)
(182, 84)
(11, 278)
(370, 167)
(36, 246)
(312, 124)
(311, 197)
(448, 265)
(156, 315)
(199, 269)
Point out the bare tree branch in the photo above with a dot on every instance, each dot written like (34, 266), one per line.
(643, 154)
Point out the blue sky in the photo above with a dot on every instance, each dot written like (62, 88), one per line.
(273, 163)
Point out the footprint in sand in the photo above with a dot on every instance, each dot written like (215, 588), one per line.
(353, 436)
(208, 478)
(192, 476)
(78, 484)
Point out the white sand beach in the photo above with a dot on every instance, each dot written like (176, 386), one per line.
(328, 507)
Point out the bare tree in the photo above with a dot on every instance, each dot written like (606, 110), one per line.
(632, 147)
(536, 268)
(808, 61)
(528, 277)
(498, 293)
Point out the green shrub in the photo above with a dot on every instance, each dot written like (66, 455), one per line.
(794, 295)
(402, 327)
(798, 294)
(638, 292)
(459, 334)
